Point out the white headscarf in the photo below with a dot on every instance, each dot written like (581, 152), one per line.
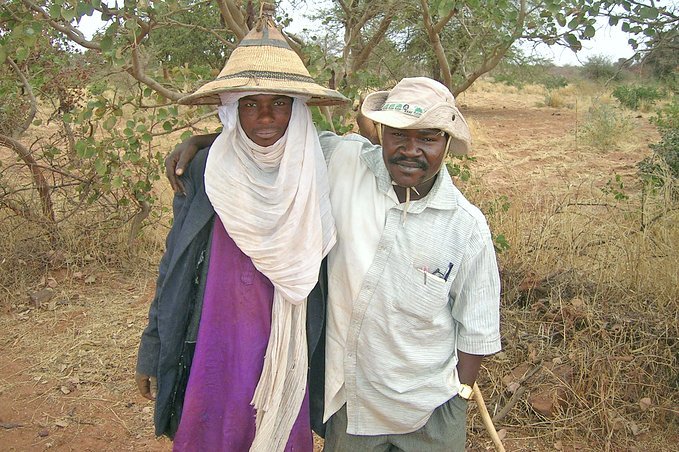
(274, 203)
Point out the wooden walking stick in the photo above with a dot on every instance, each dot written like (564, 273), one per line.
(485, 417)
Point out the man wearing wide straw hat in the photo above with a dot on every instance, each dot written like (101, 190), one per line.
(225, 351)
(413, 284)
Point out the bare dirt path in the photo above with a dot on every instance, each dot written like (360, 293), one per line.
(66, 382)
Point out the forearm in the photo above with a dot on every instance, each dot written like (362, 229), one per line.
(468, 367)
(204, 141)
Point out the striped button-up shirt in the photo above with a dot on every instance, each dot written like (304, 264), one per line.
(394, 324)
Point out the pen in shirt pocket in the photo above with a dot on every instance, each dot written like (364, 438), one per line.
(437, 272)
(442, 275)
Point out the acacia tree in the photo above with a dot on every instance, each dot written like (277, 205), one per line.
(84, 124)
(83, 114)
(459, 41)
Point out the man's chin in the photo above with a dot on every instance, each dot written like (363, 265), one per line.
(406, 178)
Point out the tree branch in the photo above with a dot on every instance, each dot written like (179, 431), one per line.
(38, 179)
(67, 29)
(211, 31)
(344, 7)
(137, 71)
(497, 54)
(31, 97)
(438, 28)
(375, 39)
(235, 24)
(435, 41)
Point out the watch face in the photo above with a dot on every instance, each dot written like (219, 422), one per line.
(465, 392)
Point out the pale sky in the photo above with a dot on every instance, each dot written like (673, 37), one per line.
(608, 41)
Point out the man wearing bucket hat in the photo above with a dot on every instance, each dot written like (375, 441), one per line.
(413, 284)
(225, 352)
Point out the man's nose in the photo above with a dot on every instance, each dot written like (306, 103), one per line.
(265, 113)
(410, 147)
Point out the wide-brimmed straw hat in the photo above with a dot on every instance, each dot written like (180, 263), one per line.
(263, 62)
(420, 103)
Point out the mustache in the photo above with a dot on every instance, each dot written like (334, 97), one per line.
(420, 163)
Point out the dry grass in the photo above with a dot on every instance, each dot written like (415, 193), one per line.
(590, 312)
(555, 99)
(592, 301)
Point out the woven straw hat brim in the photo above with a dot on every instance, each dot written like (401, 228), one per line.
(442, 117)
(264, 62)
(209, 93)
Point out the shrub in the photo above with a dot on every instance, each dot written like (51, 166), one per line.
(599, 67)
(639, 97)
(667, 149)
(554, 81)
(555, 99)
(605, 127)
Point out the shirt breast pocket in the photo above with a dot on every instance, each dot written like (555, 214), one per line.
(422, 295)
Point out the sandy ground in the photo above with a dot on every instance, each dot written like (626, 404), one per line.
(66, 382)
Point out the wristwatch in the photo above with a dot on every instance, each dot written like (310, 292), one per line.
(465, 391)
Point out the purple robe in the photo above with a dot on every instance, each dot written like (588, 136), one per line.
(232, 337)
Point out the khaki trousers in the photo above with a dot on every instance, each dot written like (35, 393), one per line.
(445, 431)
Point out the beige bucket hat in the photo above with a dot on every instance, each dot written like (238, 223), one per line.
(420, 103)
(264, 62)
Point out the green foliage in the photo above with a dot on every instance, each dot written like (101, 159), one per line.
(663, 58)
(493, 209)
(13, 105)
(98, 155)
(665, 157)
(322, 123)
(637, 97)
(500, 243)
(605, 127)
(615, 187)
(205, 43)
(554, 82)
(460, 167)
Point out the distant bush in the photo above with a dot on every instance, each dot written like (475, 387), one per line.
(637, 97)
(600, 67)
(605, 127)
(519, 70)
(532, 75)
(554, 81)
(555, 99)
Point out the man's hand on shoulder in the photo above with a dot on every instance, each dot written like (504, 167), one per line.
(177, 161)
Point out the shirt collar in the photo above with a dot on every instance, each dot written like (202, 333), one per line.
(443, 194)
